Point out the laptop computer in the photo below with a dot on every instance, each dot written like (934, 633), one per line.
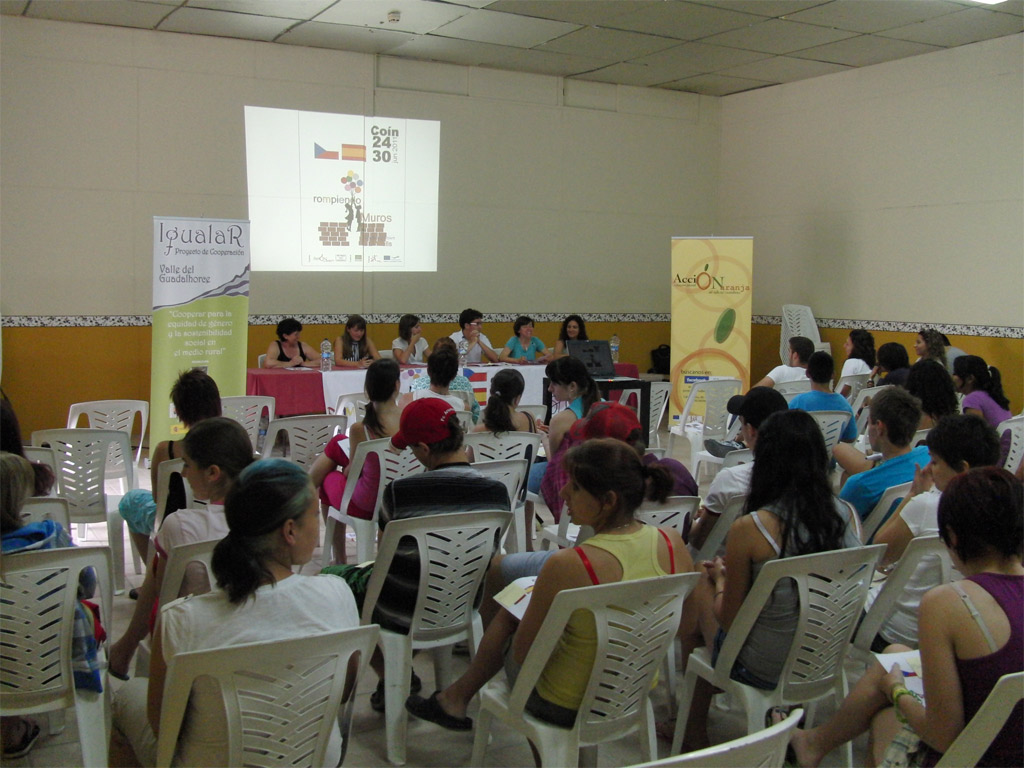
(595, 355)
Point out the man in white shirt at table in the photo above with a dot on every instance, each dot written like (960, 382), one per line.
(478, 345)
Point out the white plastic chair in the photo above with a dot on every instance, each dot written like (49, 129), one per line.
(855, 381)
(488, 446)
(671, 514)
(716, 418)
(38, 593)
(660, 391)
(881, 609)
(880, 512)
(511, 472)
(831, 587)
(465, 420)
(261, 360)
(764, 749)
(832, 424)
(798, 320)
(54, 508)
(119, 415)
(920, 437)
(454, 552)
(249, 410)
(351, 404)
(307, 436)
(720, 530)
(790, 389)
(165, 471)
(38, 455)
(1015, 426)
(635, 622)
(82, 462)
(978, 735)
(392, 466)
(860, 405)
(283, 699)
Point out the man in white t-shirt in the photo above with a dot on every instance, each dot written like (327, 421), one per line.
(955, 445)
(800, 351)
(478, 346)
(734, 482)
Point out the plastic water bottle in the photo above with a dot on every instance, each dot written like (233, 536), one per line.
(463, 353)
(326, 356)
(614, 344)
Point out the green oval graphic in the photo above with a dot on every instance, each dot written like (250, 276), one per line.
(725, 324)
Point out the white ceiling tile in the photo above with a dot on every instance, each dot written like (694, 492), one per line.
(543, 62)
(344, 38)
(783, 69)
(289, 9)
(505, 29)
(865, 50)
(120, 12)
(778, 36)
(770, 8)
(715, 85)
(611, 43)
(416, 16)
(873, 15)
(593, 12)
(435, 48)
(199, 21)
(626, 73)
(684, 21)
(699, 57)
(967, 26)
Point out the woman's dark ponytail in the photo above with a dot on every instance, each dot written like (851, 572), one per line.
(506, 386)
(266, 494)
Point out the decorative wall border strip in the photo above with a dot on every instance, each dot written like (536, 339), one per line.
(127, 321)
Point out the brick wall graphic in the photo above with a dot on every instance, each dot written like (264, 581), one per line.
(336, 233)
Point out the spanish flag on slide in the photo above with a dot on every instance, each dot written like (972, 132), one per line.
(319, 153)
(353, 152)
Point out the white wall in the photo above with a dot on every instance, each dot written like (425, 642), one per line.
(553, 196)
(892, 192)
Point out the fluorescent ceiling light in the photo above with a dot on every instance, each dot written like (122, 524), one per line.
(990, 2)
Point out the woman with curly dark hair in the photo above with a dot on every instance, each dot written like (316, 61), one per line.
(573, 328)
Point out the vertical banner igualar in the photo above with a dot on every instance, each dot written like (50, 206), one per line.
(711, 294)
(200, 310)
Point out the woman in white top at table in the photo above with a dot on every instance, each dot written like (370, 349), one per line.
(354, 348)
(289, 351)
(524, 347)
(410, 346)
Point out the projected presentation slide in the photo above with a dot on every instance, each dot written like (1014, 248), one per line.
(343, 193)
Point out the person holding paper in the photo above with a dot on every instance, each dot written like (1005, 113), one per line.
(971, 632)
(607, 483)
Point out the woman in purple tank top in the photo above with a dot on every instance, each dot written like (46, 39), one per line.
(971, 633)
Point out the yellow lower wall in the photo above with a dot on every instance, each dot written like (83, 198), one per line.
(47, 369)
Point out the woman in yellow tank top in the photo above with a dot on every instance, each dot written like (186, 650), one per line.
(607, 483)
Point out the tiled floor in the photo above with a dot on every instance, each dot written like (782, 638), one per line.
(427, 745)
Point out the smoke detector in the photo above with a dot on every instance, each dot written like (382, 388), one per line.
(394, 17)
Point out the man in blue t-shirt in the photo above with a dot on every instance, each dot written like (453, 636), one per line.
(892, 424)
(820, 369)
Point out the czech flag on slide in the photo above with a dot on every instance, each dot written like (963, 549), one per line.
(353, 152)
(319, 153)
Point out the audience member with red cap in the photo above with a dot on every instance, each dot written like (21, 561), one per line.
(431, 430)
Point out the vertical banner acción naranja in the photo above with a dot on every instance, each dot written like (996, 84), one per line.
(711, 294)
(200, 310)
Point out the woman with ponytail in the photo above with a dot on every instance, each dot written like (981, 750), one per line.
(271, 512)
(500, 414)
(381, 420)
(982, 387)
(215, 451)
(607, 483)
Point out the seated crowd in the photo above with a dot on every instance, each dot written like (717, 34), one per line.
(795, 497)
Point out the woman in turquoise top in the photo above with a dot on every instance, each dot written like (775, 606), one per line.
(524, 347)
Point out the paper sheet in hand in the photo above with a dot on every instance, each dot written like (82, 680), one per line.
(910, 663)
(516, 596)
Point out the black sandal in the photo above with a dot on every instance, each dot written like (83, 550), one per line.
(28, 740)
(431, 711)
